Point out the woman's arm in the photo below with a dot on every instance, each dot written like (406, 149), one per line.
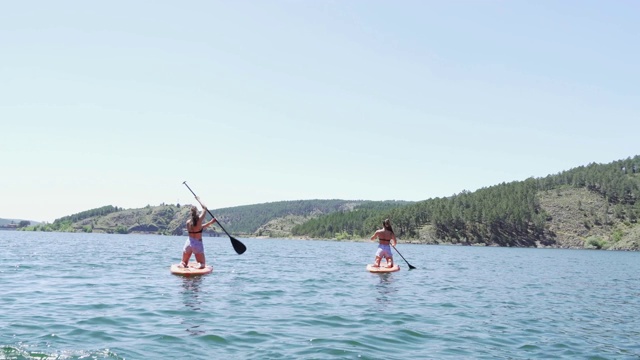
(209, 223)
(394, 242)
(203, 214)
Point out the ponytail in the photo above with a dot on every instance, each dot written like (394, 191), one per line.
(387, 225)
(194, 216)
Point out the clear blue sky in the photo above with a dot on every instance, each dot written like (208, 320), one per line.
(118, 102)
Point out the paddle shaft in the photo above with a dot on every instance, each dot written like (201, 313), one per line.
(405, 260)
(237, 245)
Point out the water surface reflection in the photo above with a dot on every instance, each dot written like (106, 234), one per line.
(191, 297)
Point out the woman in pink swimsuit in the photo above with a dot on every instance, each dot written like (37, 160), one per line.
(194, 244)
(385, 237)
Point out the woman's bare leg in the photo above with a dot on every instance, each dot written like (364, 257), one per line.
(201, 260)
(389, 262)
(376, 263)
(186, 255)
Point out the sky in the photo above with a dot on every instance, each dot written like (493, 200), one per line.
(119, 102)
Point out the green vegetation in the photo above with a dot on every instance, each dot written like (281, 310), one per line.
(269, 219)
(14, 223)
(499, 213)
(357, 222)
(510, 214)
(596, 242)
(66, 223)
(250, 219)
(105, 210)
(162, 219)
(594, 206)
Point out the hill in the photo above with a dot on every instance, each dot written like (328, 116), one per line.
(162, 219)
(15, 223)
(593, 206)
(269, 219)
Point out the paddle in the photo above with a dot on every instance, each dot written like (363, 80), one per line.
(237, 245)
(411, 267)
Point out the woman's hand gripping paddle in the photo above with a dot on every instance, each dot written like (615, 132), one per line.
(238, 246)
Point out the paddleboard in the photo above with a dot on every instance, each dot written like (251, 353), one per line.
(192, 269)
(382, 268)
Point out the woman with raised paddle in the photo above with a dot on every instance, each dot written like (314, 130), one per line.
(238, 246)
(385, 237)
(194, 244)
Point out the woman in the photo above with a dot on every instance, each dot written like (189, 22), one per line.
(194, 244)
(385, 237)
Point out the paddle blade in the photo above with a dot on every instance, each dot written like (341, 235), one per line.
(237, 245)
(411, 267)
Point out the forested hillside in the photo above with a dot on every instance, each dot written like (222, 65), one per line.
(161, 219)
(522, 213)
(282, 226)
(592, 206)
(248, 218)
(266, 219)
(19, 222)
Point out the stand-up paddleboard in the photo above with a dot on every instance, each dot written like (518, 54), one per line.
(382, 268)
(192, 269)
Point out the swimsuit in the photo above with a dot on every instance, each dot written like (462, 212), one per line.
(384, 251)
(195, 245)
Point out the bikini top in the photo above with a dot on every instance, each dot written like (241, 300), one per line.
(195, 232)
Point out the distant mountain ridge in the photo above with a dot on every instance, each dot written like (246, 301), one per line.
(6, 222)
(594, 206)
(265, 219)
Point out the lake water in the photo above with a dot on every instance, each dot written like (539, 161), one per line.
(98, 296)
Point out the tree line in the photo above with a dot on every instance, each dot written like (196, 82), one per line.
(507, 214)
(248, 218)
(65, 223)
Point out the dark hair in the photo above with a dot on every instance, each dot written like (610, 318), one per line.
(387, 225)
(194, 216)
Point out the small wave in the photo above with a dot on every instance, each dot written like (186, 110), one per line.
(214, 339)
(24, 353)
